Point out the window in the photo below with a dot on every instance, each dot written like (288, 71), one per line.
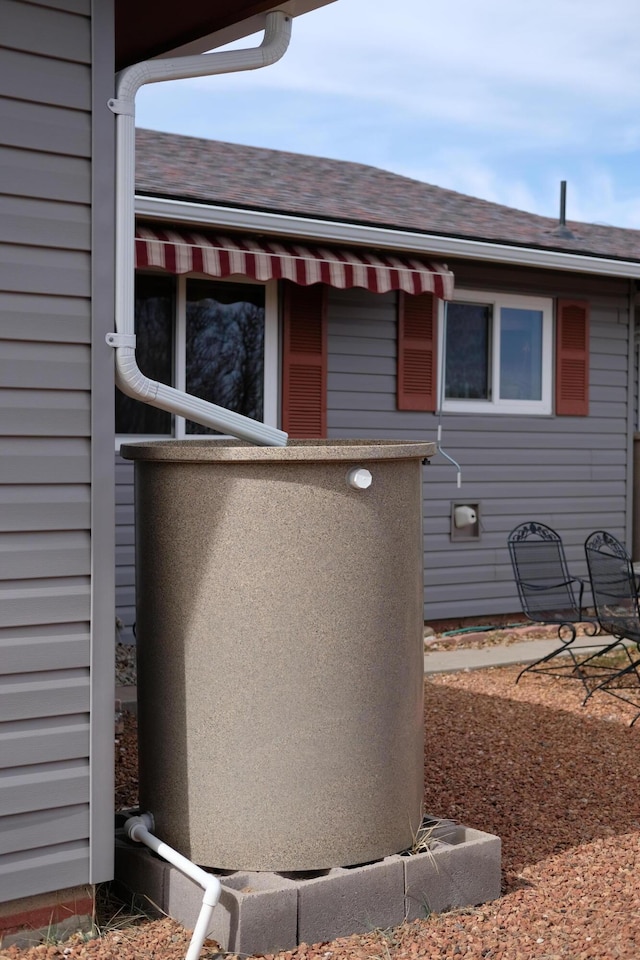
(215, 339)
(497, 354)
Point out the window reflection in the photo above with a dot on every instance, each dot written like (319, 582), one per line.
(225, 347)
(154, 310)
(520, 354)
(467, 368)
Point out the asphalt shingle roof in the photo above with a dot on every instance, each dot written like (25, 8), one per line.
(228, 174)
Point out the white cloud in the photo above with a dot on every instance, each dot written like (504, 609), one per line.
(598, 199)
(573, 47)
(553, 72)
(499, 99)
(457, 171)
(593, 195)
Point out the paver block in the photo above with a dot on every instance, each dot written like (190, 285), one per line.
(256, 913)
(459, 872)
(351, 900)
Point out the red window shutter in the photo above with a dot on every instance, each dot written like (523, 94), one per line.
(572, 358)
(417, 351)
(304, 374)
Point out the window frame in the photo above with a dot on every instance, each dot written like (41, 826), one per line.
(271, 386)
(496, 405)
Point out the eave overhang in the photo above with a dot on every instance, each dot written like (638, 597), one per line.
(146, 29)
(384, 238)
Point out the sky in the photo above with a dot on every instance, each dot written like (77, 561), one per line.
(499, 99)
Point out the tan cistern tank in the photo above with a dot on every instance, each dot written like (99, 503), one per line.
(280, 660)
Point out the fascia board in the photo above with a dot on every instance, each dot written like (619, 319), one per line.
(332, 231)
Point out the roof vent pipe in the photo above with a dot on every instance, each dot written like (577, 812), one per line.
(129, 377)
(563, 203)
(562, 230)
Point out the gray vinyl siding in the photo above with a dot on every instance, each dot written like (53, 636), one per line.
(570, 472)
(48, 618)
(102, 784)
(125, 549)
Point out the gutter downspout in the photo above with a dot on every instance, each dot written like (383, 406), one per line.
(129, 378)
(137, 828)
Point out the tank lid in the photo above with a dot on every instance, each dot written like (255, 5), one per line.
(296, 451)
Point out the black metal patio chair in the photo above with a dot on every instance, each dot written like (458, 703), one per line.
(549, 594)
(615, 595)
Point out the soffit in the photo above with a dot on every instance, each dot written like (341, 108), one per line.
(146, 28)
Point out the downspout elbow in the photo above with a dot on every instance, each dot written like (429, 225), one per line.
(276, 39)
(212, 891)
(129, 378)
(132, 381)
(274, 45)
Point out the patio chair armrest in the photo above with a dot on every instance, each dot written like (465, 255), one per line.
(582, 584)
(550, 586)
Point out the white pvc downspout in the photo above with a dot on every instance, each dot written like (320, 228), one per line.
(137, 828)
(129, 377)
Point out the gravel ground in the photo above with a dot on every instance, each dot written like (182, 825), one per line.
(560, 784)
(125, 664)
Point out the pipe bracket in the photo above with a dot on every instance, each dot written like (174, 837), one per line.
(121, 340)
(124, 107)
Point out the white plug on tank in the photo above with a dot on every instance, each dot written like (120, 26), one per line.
(359, 478)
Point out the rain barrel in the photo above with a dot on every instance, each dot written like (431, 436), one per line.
(280, 652)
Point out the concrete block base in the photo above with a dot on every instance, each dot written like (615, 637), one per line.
(256, 911)
(462, 869)
(355, 900)
(263, 912)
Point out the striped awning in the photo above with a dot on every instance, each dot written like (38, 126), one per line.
(190, 251)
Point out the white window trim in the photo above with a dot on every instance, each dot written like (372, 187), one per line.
(271, 400)
(496, 405)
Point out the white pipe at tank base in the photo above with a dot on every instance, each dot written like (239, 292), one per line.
(139, 829)
(129, 377)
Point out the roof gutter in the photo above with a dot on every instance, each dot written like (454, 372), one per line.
(205, 214)
(129, 377)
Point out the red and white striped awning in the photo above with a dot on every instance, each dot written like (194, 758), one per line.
(187, 251)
